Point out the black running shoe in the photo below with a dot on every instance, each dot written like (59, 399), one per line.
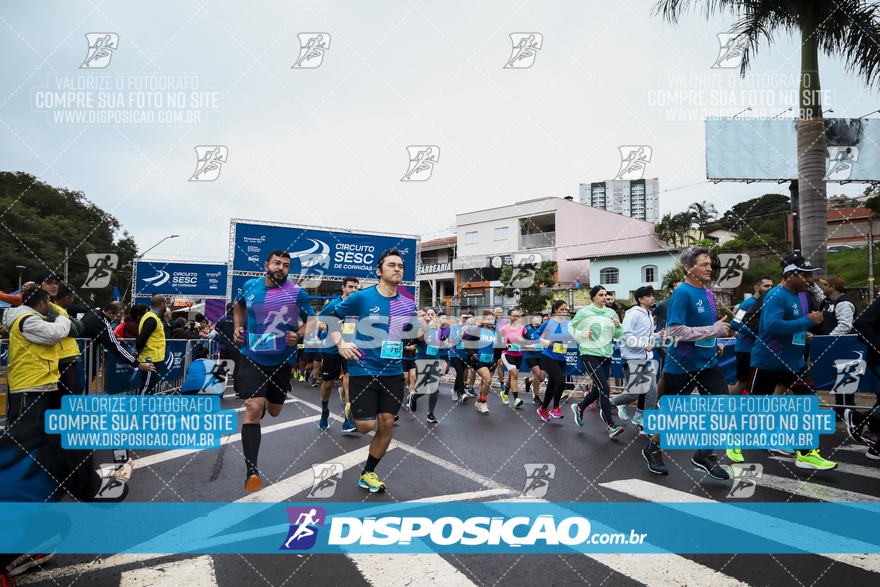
(872, 453)
(709, 464)
(536, 400)
(654, 457)
(852, 428)
(412, 403)
(432, 419)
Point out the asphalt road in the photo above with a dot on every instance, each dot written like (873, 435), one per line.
(469, 456)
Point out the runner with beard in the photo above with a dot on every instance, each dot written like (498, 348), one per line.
(267, 318)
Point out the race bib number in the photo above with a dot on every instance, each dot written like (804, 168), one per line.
(432, 350)
(348, 328)
(559, 348)
(514, 348)
(391, 349)
(799, 338)
(706, 344)
(460, 345)
(262, 343)
(487, 358)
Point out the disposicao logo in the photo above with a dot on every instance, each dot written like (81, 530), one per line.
(304, 524)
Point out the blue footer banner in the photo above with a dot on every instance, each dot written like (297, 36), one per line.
(502, 527)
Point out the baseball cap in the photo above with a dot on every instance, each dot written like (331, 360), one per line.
(45, 275)
(796, 262)
(835, 282)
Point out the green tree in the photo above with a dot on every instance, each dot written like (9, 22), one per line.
(37, 222)
(666, 230)
(530, 299)
(702, 214)
(758, 209)
(674, 274)
(847, 29)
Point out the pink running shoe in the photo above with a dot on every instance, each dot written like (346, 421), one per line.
(543, 413)
(556, 413)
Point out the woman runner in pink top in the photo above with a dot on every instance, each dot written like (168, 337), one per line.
(513, 334)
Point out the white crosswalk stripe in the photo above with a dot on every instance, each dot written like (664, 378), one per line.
(194, 572)
(768, 527)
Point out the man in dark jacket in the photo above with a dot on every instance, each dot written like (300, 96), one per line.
(98, 327)
(868, 328)
(228, 349)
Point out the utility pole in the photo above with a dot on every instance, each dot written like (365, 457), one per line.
(870, 256)
(65, 265)
(795, 219)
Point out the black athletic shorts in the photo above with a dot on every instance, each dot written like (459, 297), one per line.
(764, 381)
(256, 380)
(709, 381)
(532, 362)
(498, 352)
(514, 361)
(371, 395)
(335, 366)
(743, 366)
(408, 364)
(476, 365)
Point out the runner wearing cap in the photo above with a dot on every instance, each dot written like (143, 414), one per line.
(778, 353)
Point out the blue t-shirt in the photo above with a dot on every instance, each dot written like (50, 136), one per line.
(329, 347)
(382, 322)
(317, 339)
(694, 307)
(455, 340)
(272, 313)
(557, 333)
(481, 341)
(200, 379)
(782, 332)
(746, 338)
(531, 334)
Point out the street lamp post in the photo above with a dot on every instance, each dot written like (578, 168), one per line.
(141, 256)
(20, 269)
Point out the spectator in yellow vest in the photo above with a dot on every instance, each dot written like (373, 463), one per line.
(33, 356)
(150, 344)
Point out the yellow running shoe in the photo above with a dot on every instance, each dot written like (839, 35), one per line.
(735, 455)
(812, 460)
(371, 481)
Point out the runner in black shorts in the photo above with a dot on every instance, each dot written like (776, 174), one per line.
(268, 345)
(778, 352)
(479, 344)
(692, 321)
(334, 364)
(374, 365)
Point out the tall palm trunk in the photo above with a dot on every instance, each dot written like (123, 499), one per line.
(811, 152)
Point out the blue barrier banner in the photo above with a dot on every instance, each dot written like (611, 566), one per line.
(182, 279)
(831, 358)
(335, 253)
(461, 528)
(140, 421)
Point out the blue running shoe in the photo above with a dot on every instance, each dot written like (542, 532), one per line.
(323, 423)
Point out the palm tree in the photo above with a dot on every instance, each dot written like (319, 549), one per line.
(846, 28)
(681, 224)
(702, 213)
(666, 230)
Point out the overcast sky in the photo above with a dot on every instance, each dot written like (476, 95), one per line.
(327, 146)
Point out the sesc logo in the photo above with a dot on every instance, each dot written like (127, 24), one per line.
(303, 531)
